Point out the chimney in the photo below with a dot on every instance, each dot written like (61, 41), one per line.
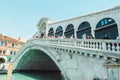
(0, 34)
(19, 38)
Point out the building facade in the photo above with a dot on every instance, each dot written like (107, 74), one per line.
(98, 24)
(8, 47)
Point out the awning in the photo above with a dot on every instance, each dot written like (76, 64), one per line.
(9, 57)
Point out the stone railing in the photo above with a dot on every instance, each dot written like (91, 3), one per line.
(94, 44)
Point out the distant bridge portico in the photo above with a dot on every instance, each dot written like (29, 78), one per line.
(97, 24)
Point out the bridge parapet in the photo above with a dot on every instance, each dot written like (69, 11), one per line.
(94, 44)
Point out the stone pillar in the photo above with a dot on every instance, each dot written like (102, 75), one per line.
(118, 25)
(75, 35)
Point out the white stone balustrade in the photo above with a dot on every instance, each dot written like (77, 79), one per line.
(96, 44)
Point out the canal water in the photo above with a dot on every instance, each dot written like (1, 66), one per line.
(34, 75)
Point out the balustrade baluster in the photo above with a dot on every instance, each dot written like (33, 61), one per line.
(104, 45)
(113, 46)
(93, 45)
(118, 47)
(109, 47)
(86, 44)
(90, 44)
(79, 44)
(96, 45)
(75, 43)
(83, 44)
(100, 45)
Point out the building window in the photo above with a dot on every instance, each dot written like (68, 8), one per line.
(14, 44)
(0, 51)
(0, 43)
(4, 52)
(11, 52)
(3, 43)
(14, 53)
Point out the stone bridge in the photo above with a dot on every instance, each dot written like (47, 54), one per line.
(76, 59)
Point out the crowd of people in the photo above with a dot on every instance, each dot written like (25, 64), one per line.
(90, 37)
(71, 37)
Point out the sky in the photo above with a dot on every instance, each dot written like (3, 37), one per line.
(19, 18)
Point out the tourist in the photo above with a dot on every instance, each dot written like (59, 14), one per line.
(71, 37)
(91, 37)
(106, 36)
(88, 37)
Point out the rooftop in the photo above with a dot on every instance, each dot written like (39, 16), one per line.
(10, 39)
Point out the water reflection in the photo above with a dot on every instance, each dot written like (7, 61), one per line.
(34, 75)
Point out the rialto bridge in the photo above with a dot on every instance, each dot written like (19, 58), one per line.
(74, 58)
(77, 58)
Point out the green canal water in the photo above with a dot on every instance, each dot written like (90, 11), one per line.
(34, 75)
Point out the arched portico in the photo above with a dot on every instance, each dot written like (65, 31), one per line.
(84, 30)
(106, 26)
(59, 31)
(69, 32)
(51, 32)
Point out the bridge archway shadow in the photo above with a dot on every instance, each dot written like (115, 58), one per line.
(38, 63)
(37, 75)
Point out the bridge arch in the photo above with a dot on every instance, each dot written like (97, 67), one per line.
(106, 26)
(46, 57)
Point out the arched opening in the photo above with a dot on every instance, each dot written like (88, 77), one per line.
(51, 32)
(2, 60)
(43, 25)
(69, 32)
(84, 30)
(38, 62)
(106, 26)
(43, 29)
(59, 31)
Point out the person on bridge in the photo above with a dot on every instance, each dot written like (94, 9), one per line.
(106, 36)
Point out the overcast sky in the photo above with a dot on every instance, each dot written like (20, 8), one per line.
(18, 18)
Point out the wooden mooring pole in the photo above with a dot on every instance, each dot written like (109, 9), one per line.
(10, 70)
